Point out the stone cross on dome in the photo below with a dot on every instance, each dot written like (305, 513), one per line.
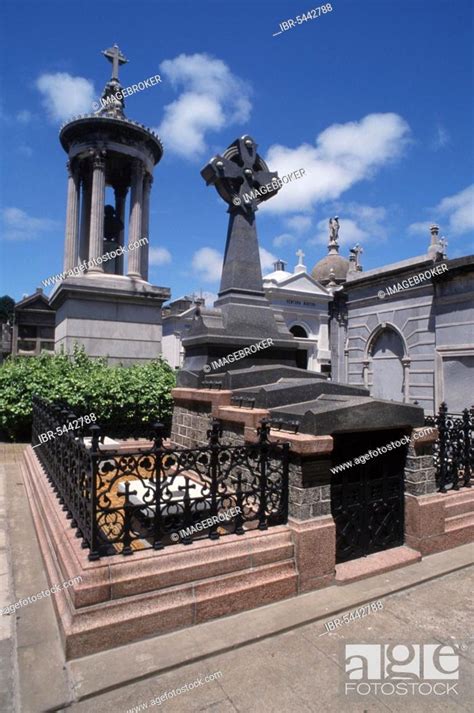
(300, 256)
(115, 56)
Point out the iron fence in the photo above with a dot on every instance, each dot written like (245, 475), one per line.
(122, 501)
(454, 450)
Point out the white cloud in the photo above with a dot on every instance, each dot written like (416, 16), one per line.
(459, 210)
(210, 298)
(65, 96)
(18, 225)
(266, 259)
(212, 98)
(284, 239)
(358, 223)
(207, 262)
(442, 138)
(421, 227)
(300, 223)
(343, 155)
(159, 256)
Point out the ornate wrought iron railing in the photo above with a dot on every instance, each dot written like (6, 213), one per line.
(454, 450)
(122, 501)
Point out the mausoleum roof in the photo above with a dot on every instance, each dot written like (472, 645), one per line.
(332, 262)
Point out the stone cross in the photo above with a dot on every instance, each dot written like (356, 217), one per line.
(241, 176)
(357, 250)
(115, 56)
(242, 179)
(300, 256)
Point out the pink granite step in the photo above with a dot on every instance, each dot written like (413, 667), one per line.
(459, 521)
(459, 504)
(377, 563)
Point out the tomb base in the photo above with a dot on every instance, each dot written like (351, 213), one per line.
(111, 316)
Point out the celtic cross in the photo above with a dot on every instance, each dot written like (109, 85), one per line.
(239, 175)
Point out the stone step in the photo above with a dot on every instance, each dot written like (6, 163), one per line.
(459, 507)
(123, 621)
(377, 563)
(457, 522)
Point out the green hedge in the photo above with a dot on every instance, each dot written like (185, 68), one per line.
(129, 395)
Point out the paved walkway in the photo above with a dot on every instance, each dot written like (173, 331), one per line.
(240, 663)
(9, 457)
(303, 670)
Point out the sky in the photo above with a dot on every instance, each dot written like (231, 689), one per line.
(373, 99)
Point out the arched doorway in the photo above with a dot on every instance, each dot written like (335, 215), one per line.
(302, 354)
(386, 364)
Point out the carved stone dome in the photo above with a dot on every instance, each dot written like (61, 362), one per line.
(335, 262)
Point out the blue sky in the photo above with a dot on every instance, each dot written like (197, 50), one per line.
(373, 100)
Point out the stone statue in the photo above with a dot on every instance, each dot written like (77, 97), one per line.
(333, 229)
(112, 224)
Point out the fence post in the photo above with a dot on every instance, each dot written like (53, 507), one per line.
(264, 447)
(94, 458)
(442, 430)
(213, 434)
(158, 455)
(467, 426)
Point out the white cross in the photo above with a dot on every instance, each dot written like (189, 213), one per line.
(300, 256)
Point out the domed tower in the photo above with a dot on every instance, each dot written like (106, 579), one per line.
(333, 267)
(106, 302)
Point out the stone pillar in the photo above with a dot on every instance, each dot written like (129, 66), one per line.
(72, 219)
(135, 223)
(147, 184)
(97, 211)
(406, 379)
(365, 372)
(120, 201)
(85, 218)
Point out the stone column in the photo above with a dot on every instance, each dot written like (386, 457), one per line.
(85, 218)
(72, 219)
(97, 211)
(147, 184)
(135, 223)
(406, 379)
(120, 201)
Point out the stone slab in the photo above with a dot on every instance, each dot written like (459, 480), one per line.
(377, 563)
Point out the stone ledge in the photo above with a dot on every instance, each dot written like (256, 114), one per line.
(374, 564)
(249, 417)
(215, 398)
(301, 443)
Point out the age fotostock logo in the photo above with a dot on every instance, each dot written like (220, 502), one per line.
(401, 669)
